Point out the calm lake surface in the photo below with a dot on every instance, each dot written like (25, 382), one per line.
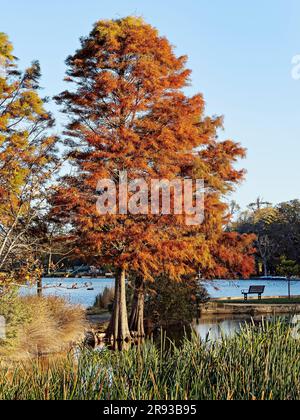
(80, 296)
(214, 327)
(216, 288)
(218, 326)
(232, 288)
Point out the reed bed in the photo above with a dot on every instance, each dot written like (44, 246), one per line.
(260, 363)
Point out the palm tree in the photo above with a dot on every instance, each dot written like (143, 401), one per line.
(259, 204)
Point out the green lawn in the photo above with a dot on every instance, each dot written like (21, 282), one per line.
(281, 301)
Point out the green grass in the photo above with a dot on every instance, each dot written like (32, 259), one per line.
(279, 301)
(260, 363)
(97, 311)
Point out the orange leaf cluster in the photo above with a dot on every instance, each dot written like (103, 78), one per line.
(129, 111)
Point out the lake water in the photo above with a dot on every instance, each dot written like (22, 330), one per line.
(80, 296)
(231, 288)
(218, 326)
(213, 327)
(216, 288)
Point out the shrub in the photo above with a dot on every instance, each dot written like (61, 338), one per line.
(41, 326)
(104, 301)
(168, 302)
(14, 312)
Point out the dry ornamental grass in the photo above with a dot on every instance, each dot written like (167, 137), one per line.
(48, 325)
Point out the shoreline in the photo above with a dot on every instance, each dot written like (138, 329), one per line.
(230, 307)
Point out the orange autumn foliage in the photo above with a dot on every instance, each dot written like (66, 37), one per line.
(129, 111)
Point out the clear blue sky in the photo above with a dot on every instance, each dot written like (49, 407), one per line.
(240, 53)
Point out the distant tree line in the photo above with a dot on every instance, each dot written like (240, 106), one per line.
(277, 230)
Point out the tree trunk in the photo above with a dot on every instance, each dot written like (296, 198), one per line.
(265, 264)
(136, 322)
(118, 329)
(40, 287)
(49, 263)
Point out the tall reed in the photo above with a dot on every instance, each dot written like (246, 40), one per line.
(260, 363)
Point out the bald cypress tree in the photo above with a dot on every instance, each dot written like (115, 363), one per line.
(129, 112)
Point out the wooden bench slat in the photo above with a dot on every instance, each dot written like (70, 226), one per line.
(254, 290)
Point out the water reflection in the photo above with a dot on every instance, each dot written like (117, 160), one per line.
(218, 326)
(211, 329)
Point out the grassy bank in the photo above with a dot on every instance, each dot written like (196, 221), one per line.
(261, 363)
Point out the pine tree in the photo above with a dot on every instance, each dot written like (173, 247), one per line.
(27, 159)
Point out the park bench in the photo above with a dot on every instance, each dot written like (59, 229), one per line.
(254, 290)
